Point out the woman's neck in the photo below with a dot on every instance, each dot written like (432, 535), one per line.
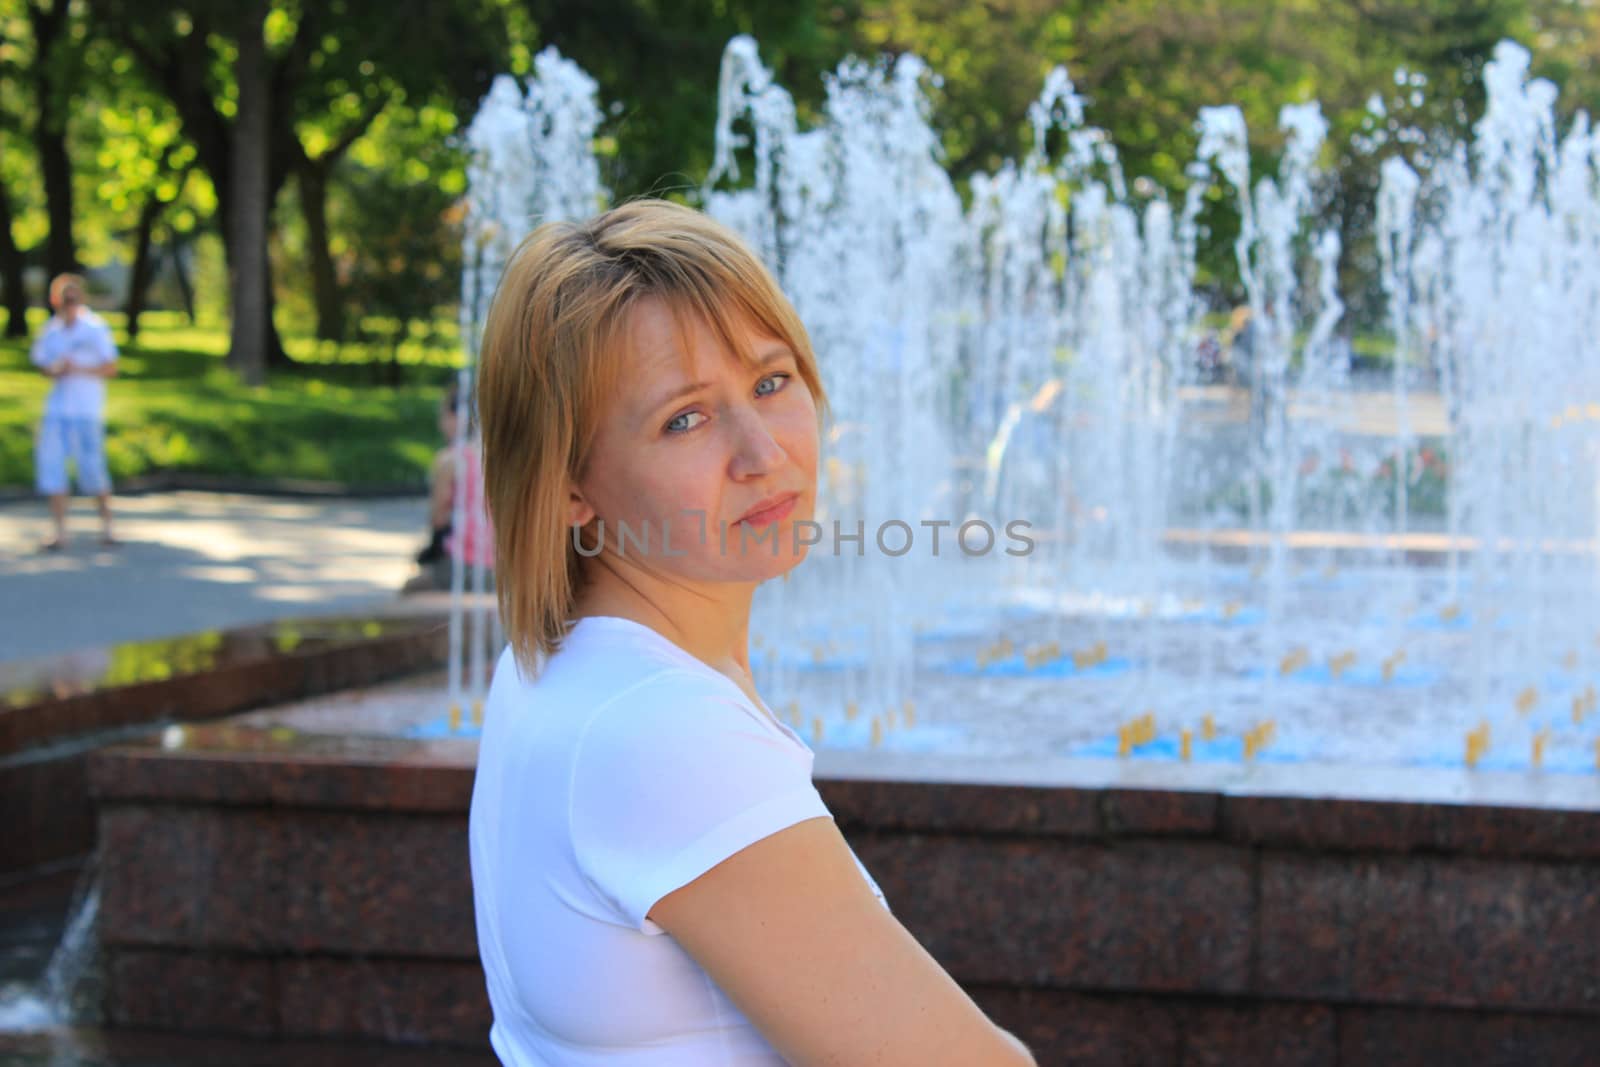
(713, 625)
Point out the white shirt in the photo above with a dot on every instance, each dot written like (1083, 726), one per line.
(87, 342)
(627, 770)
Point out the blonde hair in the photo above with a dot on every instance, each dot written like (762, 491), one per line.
(549, 362)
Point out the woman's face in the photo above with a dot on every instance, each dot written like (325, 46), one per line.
(711, 460)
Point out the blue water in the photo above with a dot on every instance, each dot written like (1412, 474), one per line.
(1167, 748)
(1015, 667)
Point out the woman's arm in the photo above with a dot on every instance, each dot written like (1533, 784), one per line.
(791, 932)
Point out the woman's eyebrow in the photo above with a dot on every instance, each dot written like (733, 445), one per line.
(767, 358)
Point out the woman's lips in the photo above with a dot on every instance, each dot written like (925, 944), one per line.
(772, 513)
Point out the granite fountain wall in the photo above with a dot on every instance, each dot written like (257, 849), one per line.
(54, 713)
(271, 885)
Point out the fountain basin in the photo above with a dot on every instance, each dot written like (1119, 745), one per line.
(302, 872)
(54, 711)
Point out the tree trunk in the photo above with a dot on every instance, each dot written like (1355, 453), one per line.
(277, 355)
(313, 176)
(139, 275)
(179, 68)
(248, 345)
(324, 283)
(144, 243)
(180, 274)
(50, 136)
(11, 272)
(60, 250)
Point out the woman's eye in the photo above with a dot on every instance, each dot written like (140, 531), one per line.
(777, 380)
(682, 423)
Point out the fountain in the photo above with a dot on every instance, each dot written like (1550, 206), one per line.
(1028, 357)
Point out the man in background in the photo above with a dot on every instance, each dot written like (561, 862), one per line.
(75, 350)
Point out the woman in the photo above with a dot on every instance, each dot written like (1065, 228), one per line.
(656, 880)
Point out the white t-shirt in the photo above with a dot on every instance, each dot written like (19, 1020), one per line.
(626, 771)
(87, 342)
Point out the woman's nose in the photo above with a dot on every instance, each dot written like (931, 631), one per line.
(756, 450)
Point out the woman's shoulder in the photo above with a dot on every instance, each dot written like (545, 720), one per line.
(615, 685)
(611, 662)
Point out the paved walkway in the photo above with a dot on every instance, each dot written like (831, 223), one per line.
(196, 561)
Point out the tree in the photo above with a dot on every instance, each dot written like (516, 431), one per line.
(14, 145)
(57, 69)
(315, 55)
(40, 72)
(659, 63)
(406, 266)
(11, 271)
(1146, 67)
(188, 52)
(1566, 36)
(146, 194)
(370, 58)
(250, 198)
(313, 173)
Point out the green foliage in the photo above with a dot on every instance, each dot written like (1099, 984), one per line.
(406, 266)
(657, 66)
(19, 174)
(368, 96)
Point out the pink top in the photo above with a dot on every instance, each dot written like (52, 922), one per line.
(474, 542)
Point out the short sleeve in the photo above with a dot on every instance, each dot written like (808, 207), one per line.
(107, 345)
(672, 779)
(42, 354)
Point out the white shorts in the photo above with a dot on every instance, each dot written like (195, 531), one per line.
(81, 440)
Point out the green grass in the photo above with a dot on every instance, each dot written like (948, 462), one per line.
(176, 407)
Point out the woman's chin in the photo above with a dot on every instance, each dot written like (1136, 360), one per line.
(763, 566)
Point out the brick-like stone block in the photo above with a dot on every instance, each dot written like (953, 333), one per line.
(1518, 832)
(1410, 1037)
(384, 884)
(400, 1001)
(225, 764)
(206, 878)
(1159, 812)
(287, 881)
(1327, 824)
(1172, 917)
(1430, 931)
(197, 992)
(48, 814)
(1085, 1031)
(401, 779)
(950, 808)
(1333, 825)
(1268, 1035)
(1306, 914)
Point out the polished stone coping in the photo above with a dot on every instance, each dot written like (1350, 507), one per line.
(135, 689)
(207, 675)
(1310, 807)
(1304, 780)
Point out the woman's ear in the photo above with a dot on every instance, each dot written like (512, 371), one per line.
(578, 510)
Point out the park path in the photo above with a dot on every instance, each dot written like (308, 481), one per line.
(196, 561)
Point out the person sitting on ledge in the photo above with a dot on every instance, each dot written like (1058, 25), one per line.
(437, 559)
(657, 882)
